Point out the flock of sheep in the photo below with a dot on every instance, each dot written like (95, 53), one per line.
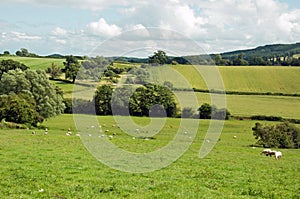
(269, 152)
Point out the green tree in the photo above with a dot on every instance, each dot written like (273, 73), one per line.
(6, 53)
(6, 65)
(283, 135)
(72, 67)
(239, 60)
(205, 111)
(120, 100)
(219, 61)
(159, 57)
(187, 112)
(153, 99)
(19, 108)
(48, 98)
(102, 100)
(54, 71)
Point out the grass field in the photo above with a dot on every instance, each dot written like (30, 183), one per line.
(58, 166)
(36, 63)
(248, 105)
(260, 79)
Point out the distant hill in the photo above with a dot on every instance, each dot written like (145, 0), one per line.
(274, 50)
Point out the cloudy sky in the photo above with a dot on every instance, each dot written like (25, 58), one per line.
(77, 27)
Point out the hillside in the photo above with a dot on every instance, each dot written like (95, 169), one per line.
(273, 50)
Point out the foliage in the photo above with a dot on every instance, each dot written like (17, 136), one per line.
(152, 99)
(188, 112)
(19, 109)
(138, 76)
(23, 52)
(36, 84)
(6, 65)
(206, 111)
(159, 58)
(93, 68)
(283, 135)
(120, 100)
(72, 67)
(102, 100)
(54, 71)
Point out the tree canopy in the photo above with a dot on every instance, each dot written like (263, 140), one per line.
(48, 99)
(6, 65)
(72, 67)
(159, 57)
(283, 135)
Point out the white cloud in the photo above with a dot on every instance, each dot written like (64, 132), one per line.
(59, 31)
(23, 36)
(102, 28)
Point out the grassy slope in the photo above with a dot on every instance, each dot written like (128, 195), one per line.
(36, 63)
(64, 169)
(236, 78)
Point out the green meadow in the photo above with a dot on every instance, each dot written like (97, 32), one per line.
(59, 166)
(36, 63)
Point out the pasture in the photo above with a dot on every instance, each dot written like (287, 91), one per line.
(59, 166)
(36, 63)
(260, 79)
(249, 105)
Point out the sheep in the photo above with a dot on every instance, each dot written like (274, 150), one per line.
(234, 137)
(69, 132)
(278, 155)
(266, 152)
(269, 152)
(46, 132)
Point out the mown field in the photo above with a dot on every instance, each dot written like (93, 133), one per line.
(59, 166)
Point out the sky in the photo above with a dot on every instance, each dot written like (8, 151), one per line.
(136, 27)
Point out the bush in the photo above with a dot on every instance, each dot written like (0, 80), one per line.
(206, 111)
(283, 135)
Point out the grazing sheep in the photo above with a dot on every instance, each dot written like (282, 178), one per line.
(234, 137)
(266, 152)
(110, 137)
(69, 132)
(33, 132)
(278, 155)
(46, 132)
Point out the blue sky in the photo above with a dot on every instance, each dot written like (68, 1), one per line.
(80, 27)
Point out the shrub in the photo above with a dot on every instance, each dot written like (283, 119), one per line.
(283, 135)
(206, 111)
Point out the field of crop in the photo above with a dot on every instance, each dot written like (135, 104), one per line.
(59, 166)
(248, 105)
(235, 78)
(36, 63)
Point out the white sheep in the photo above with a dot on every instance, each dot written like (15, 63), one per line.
(266, 152)
(278, 155)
